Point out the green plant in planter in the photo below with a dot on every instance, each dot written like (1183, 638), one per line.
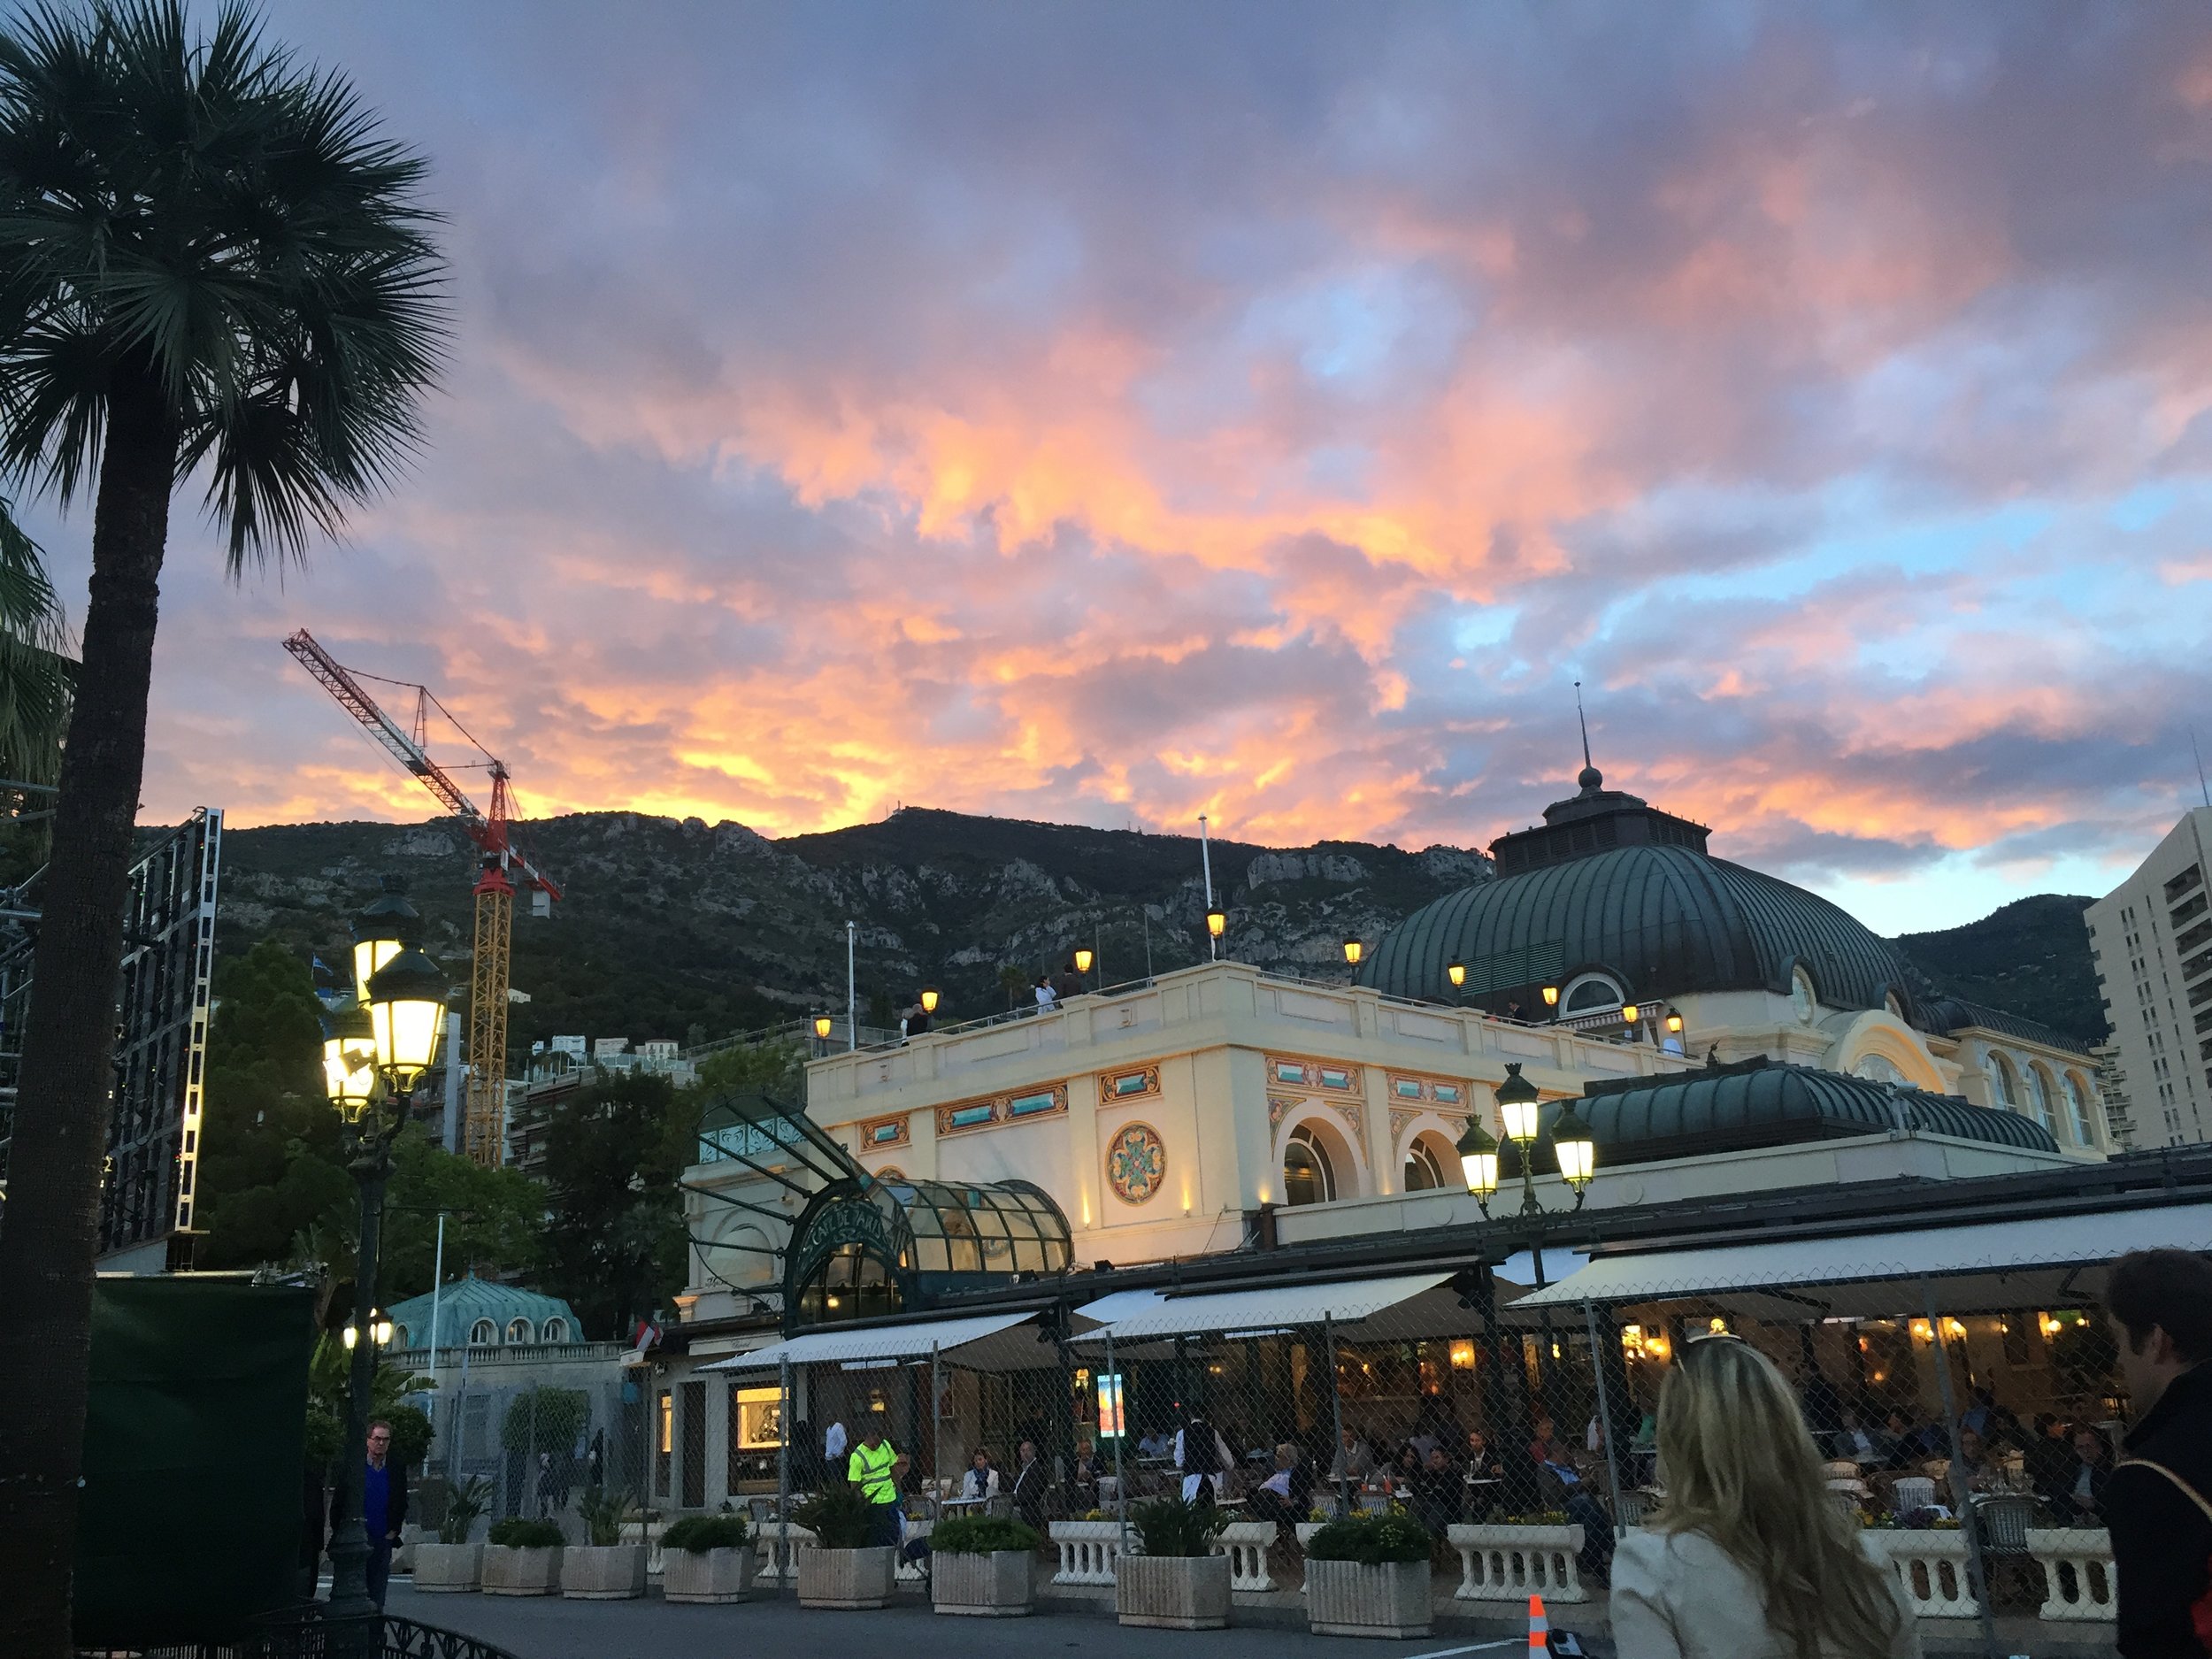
(514, 1533)
(839, 1516)
(604, 1514)
(980, 1535)
(1370, 1540)
(695, 1534)
(1169, 1526)
(462, 1504)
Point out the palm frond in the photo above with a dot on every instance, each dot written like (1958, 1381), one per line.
(35, 677)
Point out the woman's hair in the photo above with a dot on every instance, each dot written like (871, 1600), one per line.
(1740, 1467)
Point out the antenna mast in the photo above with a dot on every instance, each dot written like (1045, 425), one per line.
(1584, 723)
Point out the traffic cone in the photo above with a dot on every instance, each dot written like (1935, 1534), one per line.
(1539, 1626)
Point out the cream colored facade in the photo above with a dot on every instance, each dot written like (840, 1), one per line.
(2151, 939)
(1161, 1119)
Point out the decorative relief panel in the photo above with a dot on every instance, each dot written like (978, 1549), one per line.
(879, 1135)
(1114, 1088)
(1329, 1076)
(963, 1116)
(1136, 1162)
(1447, 1092)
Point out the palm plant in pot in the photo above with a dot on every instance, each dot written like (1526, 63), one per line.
(707, 1558)
(604, 1568)
(844, 1567)
(1368, 1575)
(1178, 1583)
(522, 1558)
(979, 1566)
(453, 1562)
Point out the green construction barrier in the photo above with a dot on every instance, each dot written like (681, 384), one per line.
(195, 1438)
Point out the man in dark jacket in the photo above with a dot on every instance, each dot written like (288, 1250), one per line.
(2159, 1303)
(383, 1507)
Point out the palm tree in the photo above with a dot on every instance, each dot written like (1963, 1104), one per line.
(35, 671)
(211, 263)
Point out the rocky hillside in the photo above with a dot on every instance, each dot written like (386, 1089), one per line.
(2030, 958)
(677, 929)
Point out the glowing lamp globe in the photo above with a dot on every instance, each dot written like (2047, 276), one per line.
(1578, 1152)
(1083, 960)
(1477, 1151)
(822, 1027)
(1352, 951)
(1457, 974)
(1518, 1106)
(929, 1006)
(383, 927)
(407, 1016)
(1217, 923)
(348, 1062)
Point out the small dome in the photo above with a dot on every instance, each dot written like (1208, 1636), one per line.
(1591, 779)
(464, 1303)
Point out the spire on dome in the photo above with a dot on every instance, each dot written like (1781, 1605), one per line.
(1590, 777)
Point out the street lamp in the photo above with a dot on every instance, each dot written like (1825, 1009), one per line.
(1352, 951)
(1084, 957)
(821, 1034)
(1217, 923)
(929, 1006)
(383, 927)
(1520, 1110)
(373, 1055)
(1457, 974)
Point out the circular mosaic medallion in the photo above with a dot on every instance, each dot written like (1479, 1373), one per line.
(1136, 1162)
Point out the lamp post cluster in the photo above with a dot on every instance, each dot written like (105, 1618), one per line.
(1520, 1111)
(374, 1053)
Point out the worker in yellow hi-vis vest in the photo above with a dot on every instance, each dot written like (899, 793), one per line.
(873, 1467)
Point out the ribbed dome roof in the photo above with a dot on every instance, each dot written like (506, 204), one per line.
(462, 1304)
(1662, 920)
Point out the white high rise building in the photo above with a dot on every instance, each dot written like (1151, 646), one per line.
(2152, 936)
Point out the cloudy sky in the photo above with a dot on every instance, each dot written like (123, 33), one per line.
(1111, 413)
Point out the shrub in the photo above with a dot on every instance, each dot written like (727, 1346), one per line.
(837, 1517)
(602, 1513)
(1370, 1540)
(695, 1534)
(545, 1420)
(514, 1533)
(462, 1504)
(1169, 1526)
(980, 1535)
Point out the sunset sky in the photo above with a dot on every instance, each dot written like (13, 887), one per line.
(1110, 413)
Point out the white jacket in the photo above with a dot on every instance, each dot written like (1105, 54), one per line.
(1678, 1595)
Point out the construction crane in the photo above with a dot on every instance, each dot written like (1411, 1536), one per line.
(504, 868)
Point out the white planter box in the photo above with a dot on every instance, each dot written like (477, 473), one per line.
(509, 1571)
(443, 1567)
(1503, 1562)
(1173, 1592)
(710, 1576)
(1344, 1598)
(1931, 1567)
(847, 1578)
(2085, 1589)
(1089, 1551)
(603, 1572)
(997, 1586)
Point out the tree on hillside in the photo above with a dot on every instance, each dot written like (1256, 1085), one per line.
(614, 1236)
(211, 263)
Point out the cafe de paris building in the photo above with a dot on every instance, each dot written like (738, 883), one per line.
(1243, 1179)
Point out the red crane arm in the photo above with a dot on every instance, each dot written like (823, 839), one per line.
(489, 833)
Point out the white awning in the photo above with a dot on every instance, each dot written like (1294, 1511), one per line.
(879, 1344)
(2028, 1259)
(1256, 1312)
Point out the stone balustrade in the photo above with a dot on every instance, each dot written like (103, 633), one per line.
(1089, 1551)
(1931, 1566)
(2078, 1584)
(779, 1542)
(1503, 1562)
(1246, 1544)
(911, 1571)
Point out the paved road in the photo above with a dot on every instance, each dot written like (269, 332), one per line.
(549, 1628)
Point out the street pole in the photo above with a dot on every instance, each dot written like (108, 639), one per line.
(852, 995)
(1336, 1410)
(1206, 861)
(437, 1283)
(789, 1556)
(1962, 1494)
(371, 1166)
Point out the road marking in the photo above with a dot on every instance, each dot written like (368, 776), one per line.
(1481, 1647)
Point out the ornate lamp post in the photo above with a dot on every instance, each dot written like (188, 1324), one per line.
(1519, 1110)
(821, 1034)
(373, 1056)
(1216, 925)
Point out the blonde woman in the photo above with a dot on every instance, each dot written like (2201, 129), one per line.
(1749, 1558)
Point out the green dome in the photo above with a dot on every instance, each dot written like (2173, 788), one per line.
(467, 1305)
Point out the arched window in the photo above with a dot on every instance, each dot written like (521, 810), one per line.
(1804, 1000)
(1591, 994)
(399, 1337)
(555, 1330)
(517, 1330)
(1878, 1068)
(2078, 1110)
(2039, 1098)
(1308, 1176)
(1424, 1169)
(2001, 1080)
(483, 1333)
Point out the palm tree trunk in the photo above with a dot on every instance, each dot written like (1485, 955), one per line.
(48, 1239)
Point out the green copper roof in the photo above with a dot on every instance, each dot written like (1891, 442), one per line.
(464, 1301)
